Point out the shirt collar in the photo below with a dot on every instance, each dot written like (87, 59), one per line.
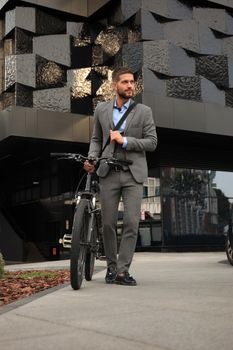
(125, 105)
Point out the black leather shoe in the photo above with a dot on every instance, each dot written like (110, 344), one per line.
(125, 279)
(110, 275)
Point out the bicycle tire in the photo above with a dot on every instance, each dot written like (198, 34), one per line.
(91, 253)
(229, 250)
(78, 244)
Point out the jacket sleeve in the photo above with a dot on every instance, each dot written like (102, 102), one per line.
(149, 139)
(97, 137)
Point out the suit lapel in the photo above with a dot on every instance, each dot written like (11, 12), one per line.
(110, 111)
(130, 117)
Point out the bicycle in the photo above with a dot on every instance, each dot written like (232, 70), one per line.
(86, 230)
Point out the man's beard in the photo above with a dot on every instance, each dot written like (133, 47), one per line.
(123, 95)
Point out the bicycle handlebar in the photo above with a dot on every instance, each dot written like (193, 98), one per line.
(80, 158)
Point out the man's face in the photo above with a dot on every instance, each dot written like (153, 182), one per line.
(125, 86)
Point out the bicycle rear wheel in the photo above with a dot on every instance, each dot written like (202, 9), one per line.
(91, 253)
(78, 244)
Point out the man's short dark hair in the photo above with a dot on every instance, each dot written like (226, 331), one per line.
(119, 71)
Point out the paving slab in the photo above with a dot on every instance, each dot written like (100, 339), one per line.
(182, 301)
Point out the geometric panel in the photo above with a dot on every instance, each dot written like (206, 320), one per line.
(195, 88)
(20, 69)
(52, 99)
(81, 32)
(10, 71)
(48, 24)
(23, 96)
(217, 19)
(227, 3)
(163, 57)
(132, 56)
(53, 47)
(81, 56)
(26, 69)
(227, 46)
(146, 27)
(193, 36)
(21, 17)
(49, 74)
(77, 80)
(218, 69)
(111, 40)
(172, 9)
(229, 97)
(23, 41)
(152, 83)
(74, 29)
(160, 56)
(82, 105)
(184, 87)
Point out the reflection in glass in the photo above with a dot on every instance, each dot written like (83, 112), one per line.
(191, 202)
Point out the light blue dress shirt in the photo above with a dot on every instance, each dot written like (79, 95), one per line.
(117, 115)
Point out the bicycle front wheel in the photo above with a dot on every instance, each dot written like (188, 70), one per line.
(91, 253)
(79, 244)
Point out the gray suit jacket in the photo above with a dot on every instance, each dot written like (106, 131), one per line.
(140, 132)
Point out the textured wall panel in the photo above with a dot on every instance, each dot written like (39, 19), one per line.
(227, 46)
(184, 87)
(10, 71)
(23, 41)
(111, 40)
(49, 74)
(152, 83)
(195, 88)
(20, 69)
(75, 29)
(193, 36)
(166, 58)
(81, 56)
(53, 47)
(52, 99)
(23, 96)
(171, 9)
(160, 56)
(218, 69)
(147, 25)
(21, 17)
(48, 24)
(26, 69)
(216, 19)
(79, 82)
(227, 3)
(229, 97)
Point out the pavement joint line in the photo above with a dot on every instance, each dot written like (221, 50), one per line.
(69, 326)
(16, 304)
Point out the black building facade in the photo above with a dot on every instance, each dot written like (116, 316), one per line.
(56, 63)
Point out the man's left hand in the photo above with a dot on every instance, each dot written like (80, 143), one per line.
(116, 136)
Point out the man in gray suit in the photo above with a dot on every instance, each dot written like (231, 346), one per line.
(136, 136)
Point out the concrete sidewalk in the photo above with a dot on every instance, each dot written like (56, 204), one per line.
(183, 301)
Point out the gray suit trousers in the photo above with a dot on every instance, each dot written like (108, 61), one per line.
(114, 186)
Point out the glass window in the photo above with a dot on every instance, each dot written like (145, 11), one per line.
(195, 201)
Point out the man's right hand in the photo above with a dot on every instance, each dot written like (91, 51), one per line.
(89, 167)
